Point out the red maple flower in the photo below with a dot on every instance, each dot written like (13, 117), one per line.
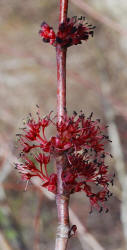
(47, 33)
(82, 141)
(71, 32)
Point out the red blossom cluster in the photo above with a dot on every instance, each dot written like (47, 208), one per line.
(71, 32)
(81, 140)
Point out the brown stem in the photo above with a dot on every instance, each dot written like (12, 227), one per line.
(62, 199)
(62, 202)
(61, 82)
(63, 10)
(61, 67)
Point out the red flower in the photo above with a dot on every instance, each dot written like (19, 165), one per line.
(47, 33)
(81, 141)
(71, 32)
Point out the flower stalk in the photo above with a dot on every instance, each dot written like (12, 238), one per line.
(62, 199)
(61, 81)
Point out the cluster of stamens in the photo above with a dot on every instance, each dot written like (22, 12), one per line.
(71, 32)
(81, 141)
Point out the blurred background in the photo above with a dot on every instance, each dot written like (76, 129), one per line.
(96, 82)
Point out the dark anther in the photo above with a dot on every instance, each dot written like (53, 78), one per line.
(80, 25)
(73, 30)
(46, 40)
(80, 18)
(106, 137)
(107, 126)
(99, 164)
(107, 210)
(18, 134)
(21, 154)
(68, 20)
(91, 115)
(75, 17)
(112, 182)
(101, 209)
(85, 150)
(92, 195)
(74, 113)
(85, 37)
(103, 156)
(43, 23)
(58, 40)
(15, 165)
(98, 120)
(81, 116)
(91, 33)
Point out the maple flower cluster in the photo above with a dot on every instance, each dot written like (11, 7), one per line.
(71, 32)
(81, 140)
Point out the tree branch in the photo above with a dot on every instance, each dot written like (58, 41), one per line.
(62, 199)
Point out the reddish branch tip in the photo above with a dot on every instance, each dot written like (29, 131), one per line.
(81, 140)
(71, 32)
